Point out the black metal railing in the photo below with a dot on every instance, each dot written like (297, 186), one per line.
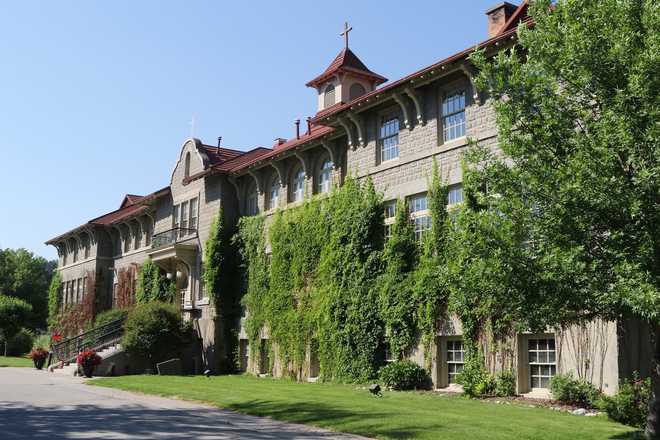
(96, 339)
(172, 236)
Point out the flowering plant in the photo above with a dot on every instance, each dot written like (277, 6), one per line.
(38, 354)
(88, 358)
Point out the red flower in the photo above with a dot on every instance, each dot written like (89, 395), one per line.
(38, 354)
(88, 358)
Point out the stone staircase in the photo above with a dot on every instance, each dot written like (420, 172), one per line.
(71, 369)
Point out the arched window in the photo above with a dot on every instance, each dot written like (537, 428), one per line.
(251, 205)
(329, 96)
(356, 91)
(187, 165)
(324, 179)
(274, 193)
(298, 186)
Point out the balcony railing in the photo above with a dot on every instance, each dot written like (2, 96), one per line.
(172, 236)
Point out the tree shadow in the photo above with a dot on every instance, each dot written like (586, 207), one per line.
(635, 435)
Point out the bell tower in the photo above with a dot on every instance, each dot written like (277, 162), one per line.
(345, 79)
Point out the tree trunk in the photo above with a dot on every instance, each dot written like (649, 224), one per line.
(653, 421)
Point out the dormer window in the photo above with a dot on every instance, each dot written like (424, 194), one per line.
(329, 96)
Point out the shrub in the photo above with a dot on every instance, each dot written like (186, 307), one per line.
(154, 330)
(19, 344)
(475, 379)
(41, 341)
(505, 384)
(572, 391)
(404, 375)
(109, 316)
(630, 405)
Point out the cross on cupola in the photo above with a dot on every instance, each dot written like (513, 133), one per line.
(347, 29)
(345, 79)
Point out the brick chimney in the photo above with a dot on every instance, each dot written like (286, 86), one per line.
(498, 15)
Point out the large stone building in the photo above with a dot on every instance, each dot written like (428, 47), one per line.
(366, 127)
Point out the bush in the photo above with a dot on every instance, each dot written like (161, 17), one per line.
(505, 384)
(20, 344)
(404, 375)
(154, 331)
(475, 379)
(109, 316)
(41, 341)
(630, 405)
(572, 391)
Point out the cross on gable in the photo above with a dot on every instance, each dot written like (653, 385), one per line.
(347, 29)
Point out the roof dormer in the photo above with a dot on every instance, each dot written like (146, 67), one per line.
(345, 79)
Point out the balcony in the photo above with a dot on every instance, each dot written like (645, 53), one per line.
(173, 236)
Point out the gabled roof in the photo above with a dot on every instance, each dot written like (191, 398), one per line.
(130, 199)
(347, 61)
(218, 155)
(140, 205)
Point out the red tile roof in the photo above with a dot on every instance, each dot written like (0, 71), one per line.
(217, 155)
(240, 161)
(347, 61)
(130, 199)
(508, 31)
(140, 206)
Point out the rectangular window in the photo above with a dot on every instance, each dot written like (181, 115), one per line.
(184, 217)
(455, 360)
(389, 139)
(175, 217)
(390, 214)
(542, 362)
(453, 116)
(455, 194)
(193, 213)
(84, 286)
(78, 291)
(420, 215)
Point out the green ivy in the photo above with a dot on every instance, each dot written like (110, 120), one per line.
(54, 300)
(153, 285)
(222, 285)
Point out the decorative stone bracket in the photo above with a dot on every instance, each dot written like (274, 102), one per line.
(359, 124)
(418, 100)
(471, 72)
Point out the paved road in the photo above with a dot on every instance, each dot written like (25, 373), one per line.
(40, 405)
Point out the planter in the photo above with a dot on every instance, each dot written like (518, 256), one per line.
(39, 363)
(88, 370)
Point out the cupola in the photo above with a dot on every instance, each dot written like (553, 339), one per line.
(345, 79)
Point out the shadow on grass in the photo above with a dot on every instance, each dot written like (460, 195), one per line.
(317, 414)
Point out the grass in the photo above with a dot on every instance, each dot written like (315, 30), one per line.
(10, 361)
(397, 415)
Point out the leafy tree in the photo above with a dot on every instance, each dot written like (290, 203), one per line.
(13, 314)
(26, 276)
(577, 110)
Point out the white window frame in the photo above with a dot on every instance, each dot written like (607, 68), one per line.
(455, 355)
(388, 137)
(389, 215)
(453, 115)
(420, 215)
(274, 193)
(453, 194)
(544, 354)
(298, 186)
(325, 176)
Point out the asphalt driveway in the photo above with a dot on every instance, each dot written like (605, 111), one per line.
(41, 405)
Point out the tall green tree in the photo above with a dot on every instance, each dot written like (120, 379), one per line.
(13, 314)
(577, 110)
(27, 276)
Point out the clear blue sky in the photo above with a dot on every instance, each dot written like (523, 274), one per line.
(97, 96)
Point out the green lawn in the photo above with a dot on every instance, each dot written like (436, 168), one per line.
(10, 361)
(397, 415)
